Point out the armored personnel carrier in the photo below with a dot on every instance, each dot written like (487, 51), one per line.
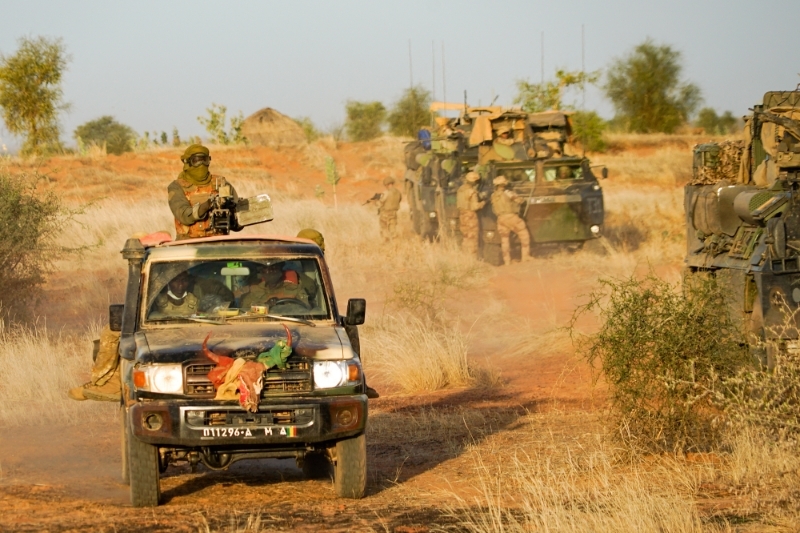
(564, 201)
(742, 213)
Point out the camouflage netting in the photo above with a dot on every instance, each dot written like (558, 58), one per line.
(724, 166)
(268, 127)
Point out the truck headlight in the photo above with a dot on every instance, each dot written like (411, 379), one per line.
(595, 229)
(329, 374)
(166, 379)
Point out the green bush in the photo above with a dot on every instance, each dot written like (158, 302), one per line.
(364, 120)
(587, 129)
(32, 223)
(116, 137)
(411, 112)
(309, 129)
(662, 352)
(714, 124)
(215, 124)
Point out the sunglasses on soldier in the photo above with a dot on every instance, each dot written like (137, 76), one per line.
(195, 160)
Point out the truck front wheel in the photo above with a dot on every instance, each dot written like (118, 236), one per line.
(350, 467)
(143, 469)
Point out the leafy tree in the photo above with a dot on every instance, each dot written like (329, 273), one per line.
(647, 92)
(309, 129)
(537, 97)
(588, 128)
(364, 120)
(32, 224)
(411, 112)
(116, 137)
(215, 122)
(715, 124)
(30, 93)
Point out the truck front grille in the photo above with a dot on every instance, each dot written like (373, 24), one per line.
(294, 379)
(264, 417)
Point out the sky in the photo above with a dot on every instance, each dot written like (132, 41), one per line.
(155, 65)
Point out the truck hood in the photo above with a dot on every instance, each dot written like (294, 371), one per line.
(176, 345)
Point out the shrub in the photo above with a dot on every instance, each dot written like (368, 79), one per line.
(309, 129)
(714, 124)
(364, 120)
(662, 352)
(215, 124)
(588, 128)
(29, 243)
(411, 112)
(116, 137)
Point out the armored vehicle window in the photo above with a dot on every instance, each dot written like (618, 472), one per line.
(563, 172)
(519, 175)
(283, 286)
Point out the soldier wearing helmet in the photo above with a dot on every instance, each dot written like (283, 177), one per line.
(505, 205)
(313, 235)
(469, 204)
(388, 205)
(191, 195)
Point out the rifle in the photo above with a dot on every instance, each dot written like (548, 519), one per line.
(375, 198)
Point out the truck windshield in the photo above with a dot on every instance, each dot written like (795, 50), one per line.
(278, 286)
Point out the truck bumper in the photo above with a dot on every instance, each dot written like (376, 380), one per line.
(295, 421)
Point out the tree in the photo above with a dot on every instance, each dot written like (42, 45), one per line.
(588, 128)
(214, 124)
(714, 124)
(537, 97)
(364, 120)
(309, 129)
(30, 93)
(647, 92)
(116, 137)
(411, 112)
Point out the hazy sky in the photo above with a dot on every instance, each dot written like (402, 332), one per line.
(155, 64)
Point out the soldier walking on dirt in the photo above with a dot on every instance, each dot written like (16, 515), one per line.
(192, 194)
(505, 205)
(468, 204)
(388, 205)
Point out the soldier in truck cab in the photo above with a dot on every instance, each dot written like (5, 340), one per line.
(191, 196)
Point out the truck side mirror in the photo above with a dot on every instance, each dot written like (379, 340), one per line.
(115, 316)
(356, 311)
(604, 172)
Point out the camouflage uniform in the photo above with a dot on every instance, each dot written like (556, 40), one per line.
(166, 306)
(188, 195)
(261, 293)
(505, 205)
(388, 205)
(468, 204)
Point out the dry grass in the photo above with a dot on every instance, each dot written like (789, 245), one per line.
(37, 367)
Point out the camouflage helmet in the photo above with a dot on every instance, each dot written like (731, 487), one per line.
(500, 181)
(313, 235)
(472, 177)
(388, 180)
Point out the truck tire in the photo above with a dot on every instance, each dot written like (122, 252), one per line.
(350, 467)
(143, 468)
(316, 466)
(126, 473)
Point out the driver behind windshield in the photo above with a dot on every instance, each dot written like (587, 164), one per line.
(276, 284)
(175, 299)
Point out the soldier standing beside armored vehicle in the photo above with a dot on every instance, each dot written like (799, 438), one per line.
(388, 205)
(468, 204)
(191, 195)
(505, 205)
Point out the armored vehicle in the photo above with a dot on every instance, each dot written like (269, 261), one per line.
(215, 382)
(743, 222)
(563, 204)
(564, 209)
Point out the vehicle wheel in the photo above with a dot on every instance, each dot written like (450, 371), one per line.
(144, 477)
(316, 466)
(350, 468)
(126, 473)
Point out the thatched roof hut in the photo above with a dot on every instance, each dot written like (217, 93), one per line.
(268, 127)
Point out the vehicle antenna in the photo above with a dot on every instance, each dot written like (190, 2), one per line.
(444, 84)
(433, 70)
(410, 70)
(542, 58)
